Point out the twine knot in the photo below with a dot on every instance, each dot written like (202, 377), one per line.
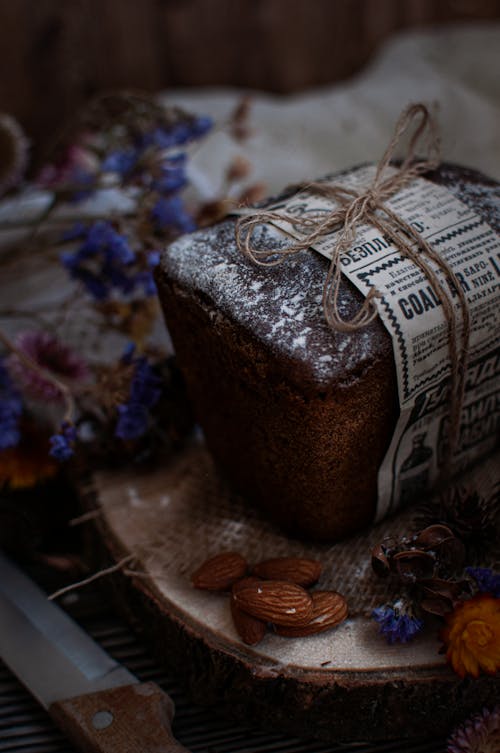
(350, 209)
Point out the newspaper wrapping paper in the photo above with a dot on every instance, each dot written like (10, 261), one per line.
(413, 315)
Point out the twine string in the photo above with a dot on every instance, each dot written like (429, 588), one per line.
(352, 208)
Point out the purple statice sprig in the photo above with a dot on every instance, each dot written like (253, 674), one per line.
(62, 444)
(134, 416)
(398, 623)
(169, 213)
(167, 136)
(486, 580)
(11, 409)
(106, 264)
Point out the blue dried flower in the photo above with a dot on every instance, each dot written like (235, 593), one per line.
(75, 232)
(82, 178)
(11, 408)
(62, 444)
(172, 175)
(171, 213)
(397, 622)
(145, 387)
(133, 421)
(103, 261)
(486, 580)
(133, 416)
(122, 162)
(201, 125)
(183, 132)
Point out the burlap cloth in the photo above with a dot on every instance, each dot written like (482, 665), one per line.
(183, 512)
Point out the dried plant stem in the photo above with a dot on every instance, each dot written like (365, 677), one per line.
(100, 574)
(91, 515)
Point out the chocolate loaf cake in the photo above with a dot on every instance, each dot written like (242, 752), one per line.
(297, 416)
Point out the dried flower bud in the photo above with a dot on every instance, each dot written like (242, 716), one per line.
(253, 193)
(213, 211)
(239, 168)
(238, 122)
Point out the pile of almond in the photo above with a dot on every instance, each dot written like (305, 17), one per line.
(273, 592)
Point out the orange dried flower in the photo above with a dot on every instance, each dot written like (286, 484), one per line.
(29, 463)
(472, 636)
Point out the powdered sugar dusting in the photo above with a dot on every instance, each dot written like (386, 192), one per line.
(282, 305)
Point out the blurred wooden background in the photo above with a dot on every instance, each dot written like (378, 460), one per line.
(57, 53)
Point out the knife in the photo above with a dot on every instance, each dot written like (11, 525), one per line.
(98, 704)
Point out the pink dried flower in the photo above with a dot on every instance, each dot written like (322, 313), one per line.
(13, 152)
(479, 734)
(52, 356)
(76, 165)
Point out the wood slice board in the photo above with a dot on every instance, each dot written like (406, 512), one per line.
(343, 685)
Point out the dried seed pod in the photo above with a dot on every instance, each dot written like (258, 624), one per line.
(414, 564)
(380, 561)
(436, 605)
(432, 536)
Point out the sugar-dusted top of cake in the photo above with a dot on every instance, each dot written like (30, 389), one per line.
(282, 305)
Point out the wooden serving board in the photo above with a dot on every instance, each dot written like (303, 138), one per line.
(343, 685)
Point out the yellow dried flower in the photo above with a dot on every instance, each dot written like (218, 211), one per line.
(472, 636)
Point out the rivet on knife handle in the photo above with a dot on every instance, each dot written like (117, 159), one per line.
(129, 719)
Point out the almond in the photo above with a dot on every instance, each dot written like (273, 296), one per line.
(329, 609)
(280, 602)
(250, 580)
(220, 572)
(301, 571)
(250, 629)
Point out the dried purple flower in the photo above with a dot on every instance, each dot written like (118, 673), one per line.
(11, 408)
(397, 622)
(187, 129)
(170, 213)
(121, 162)
(50, 355)
(103, 262)
(479, 734)
(486, 580)
(62, 444)
(171, 175)
(76, 167)
(134, 415)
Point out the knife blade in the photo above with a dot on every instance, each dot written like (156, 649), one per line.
(98, 703)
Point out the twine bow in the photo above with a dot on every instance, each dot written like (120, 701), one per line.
(368, 206)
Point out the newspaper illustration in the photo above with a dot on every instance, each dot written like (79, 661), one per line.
(413, 315)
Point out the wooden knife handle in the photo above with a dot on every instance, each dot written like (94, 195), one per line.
(129, 719)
